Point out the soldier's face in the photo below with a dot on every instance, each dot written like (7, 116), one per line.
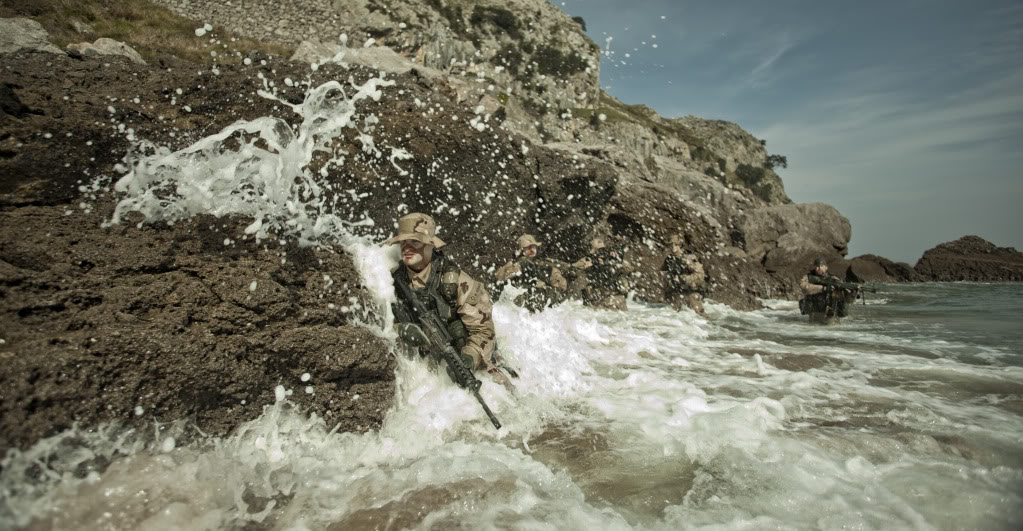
(676, 248)
(530, 251)
(822, 269)
(416, 254)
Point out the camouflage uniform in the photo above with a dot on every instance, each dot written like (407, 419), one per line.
(605, 269)
(542, 279)
(823, 304)
(684, 279)
(461, 302)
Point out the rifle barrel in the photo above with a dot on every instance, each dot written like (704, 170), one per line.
(486, 409)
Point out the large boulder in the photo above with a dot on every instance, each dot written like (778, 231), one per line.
(784, 236)
(971, 258)
(19, 34)
(105, 47)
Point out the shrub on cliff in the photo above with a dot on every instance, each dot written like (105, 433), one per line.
(498, 17)
(551, 61)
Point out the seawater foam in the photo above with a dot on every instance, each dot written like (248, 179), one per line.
(598, 435)
(256, 168)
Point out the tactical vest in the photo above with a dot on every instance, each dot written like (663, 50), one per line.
(532, 271)
(439, 296)
(817, 303)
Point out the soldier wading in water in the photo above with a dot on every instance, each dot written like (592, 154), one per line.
(684, 279)
(445, 291)
(606, 285)
(542, 279)
(822, 299)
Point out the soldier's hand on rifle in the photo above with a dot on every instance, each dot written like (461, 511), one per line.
(411, 334)
(466, 360)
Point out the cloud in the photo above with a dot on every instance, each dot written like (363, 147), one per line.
(763, 73)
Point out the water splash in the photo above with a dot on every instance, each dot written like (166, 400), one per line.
(258, 168)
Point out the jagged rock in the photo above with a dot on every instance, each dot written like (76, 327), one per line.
(102, 47)
(971, 258)
(18, 34)
(743, 155)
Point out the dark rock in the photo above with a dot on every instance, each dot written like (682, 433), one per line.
(10, 104)
(99, 321)
(895, 271)
(971, 258)
(861, 270)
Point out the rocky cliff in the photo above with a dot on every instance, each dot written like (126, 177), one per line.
(533, 69)
(971, 258)
(220, 319)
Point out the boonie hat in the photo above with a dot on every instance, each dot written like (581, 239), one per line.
(417, 226)
(526, 240)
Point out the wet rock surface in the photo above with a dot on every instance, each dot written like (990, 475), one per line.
(164, 323)
(971, 258)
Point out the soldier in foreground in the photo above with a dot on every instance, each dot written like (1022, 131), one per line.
(825, 297)
(684, 279)
(542, 279)
(440, 309)
(606, 285)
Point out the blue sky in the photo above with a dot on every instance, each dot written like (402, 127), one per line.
(906, 115)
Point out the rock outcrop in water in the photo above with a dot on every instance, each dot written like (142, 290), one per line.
(971, 258)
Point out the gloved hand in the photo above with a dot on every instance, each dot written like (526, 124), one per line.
(411, 334)
(466, 360)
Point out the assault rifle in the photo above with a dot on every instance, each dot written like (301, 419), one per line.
(851, 286)
(440, 342)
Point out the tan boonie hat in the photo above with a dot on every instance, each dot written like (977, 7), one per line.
(419, 227)
(526, 240)
(675, 238)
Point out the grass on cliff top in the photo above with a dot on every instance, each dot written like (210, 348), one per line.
(149, 29)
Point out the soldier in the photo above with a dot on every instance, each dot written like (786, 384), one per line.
(461, 302)
(825, 304)
(684, 279)
(605, 269)
(542, 279)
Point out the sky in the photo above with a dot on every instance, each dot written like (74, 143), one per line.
(906, 115)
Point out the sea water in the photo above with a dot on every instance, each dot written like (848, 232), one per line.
(649, 419)
(907, 415)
